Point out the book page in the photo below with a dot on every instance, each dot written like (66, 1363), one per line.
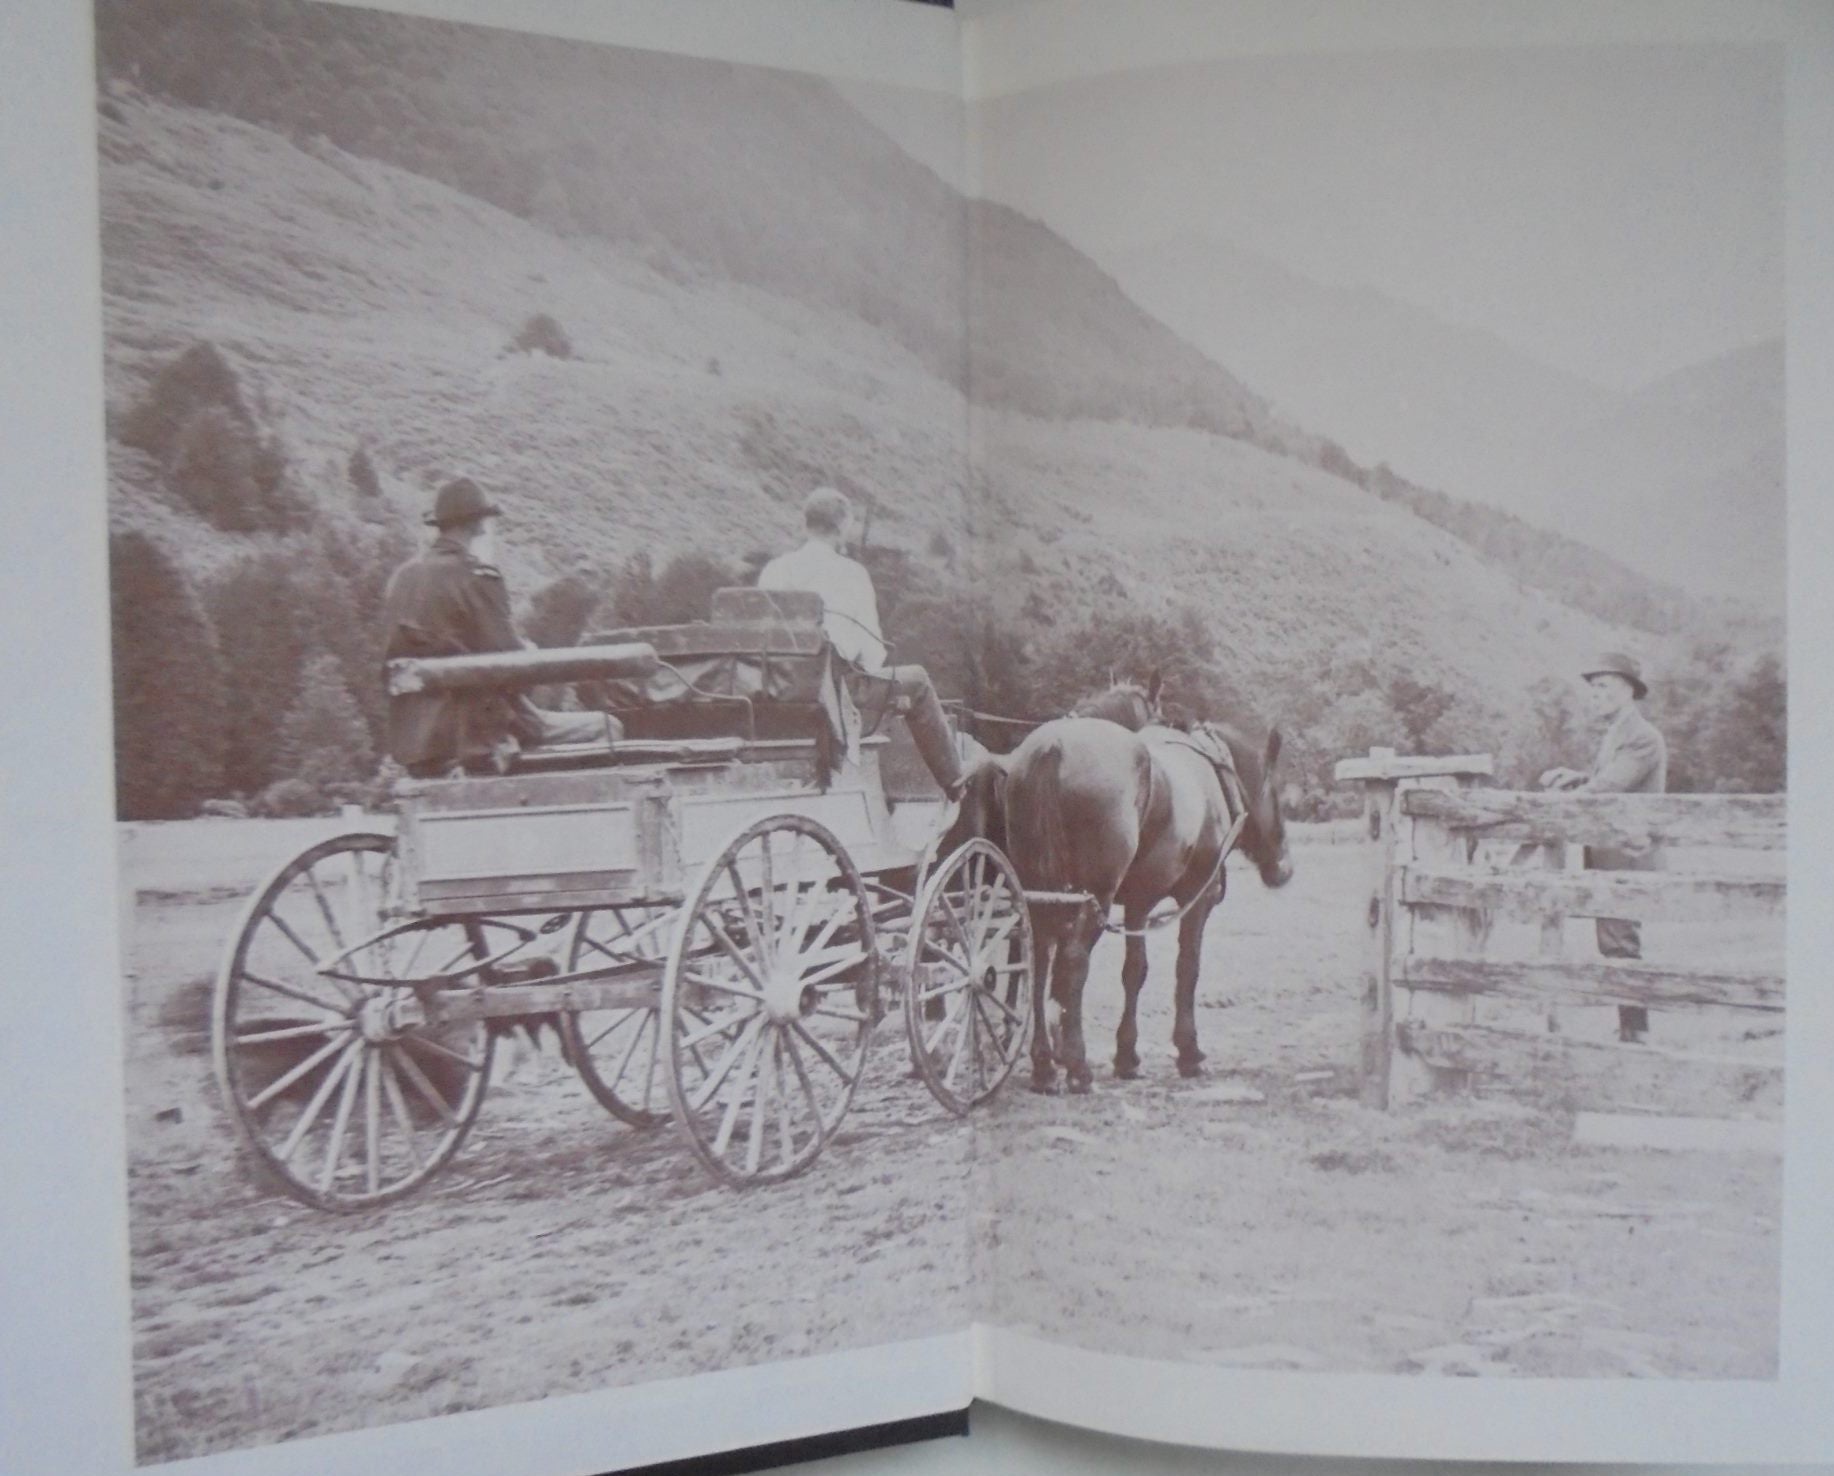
(413, 1119)
(1404, 388)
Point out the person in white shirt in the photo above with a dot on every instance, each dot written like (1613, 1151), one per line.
(850, 616)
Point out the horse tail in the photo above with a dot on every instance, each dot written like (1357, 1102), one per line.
(1035, 818)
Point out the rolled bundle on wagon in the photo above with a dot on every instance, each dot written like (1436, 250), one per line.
(715, 907)
(625, 661)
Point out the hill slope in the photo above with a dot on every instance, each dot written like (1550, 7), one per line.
(367, 304)
(1441, 403)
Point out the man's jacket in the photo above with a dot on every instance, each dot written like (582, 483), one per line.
(1632, 759)
(447, 603)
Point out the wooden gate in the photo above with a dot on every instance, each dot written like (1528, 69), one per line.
(1448, 860)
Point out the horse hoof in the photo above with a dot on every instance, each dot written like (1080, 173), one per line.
(1081, 1079)
(1127, 1073)
(1189, 1069)
(1044, 1086)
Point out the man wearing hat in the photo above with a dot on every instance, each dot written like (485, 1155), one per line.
(451, 601)
(1632, 759)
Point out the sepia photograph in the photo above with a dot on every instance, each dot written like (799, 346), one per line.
(486, 414)
(1419, 415)
(692, 642)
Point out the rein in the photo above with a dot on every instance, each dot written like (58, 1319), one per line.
(1166, 919)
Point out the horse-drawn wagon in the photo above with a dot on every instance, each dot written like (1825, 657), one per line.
(714, 911)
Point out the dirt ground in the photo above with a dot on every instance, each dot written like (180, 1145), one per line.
(1257, 1216)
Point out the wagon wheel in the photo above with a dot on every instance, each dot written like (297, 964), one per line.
(345, 1095)
(968, 990)
(768, 1000)
(616, 1052)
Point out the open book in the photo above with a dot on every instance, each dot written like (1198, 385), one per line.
(1320, 470)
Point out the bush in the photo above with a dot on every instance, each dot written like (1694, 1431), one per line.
(291, 799)
(323, 739)
(559, 610)
(363, 477)
(196, 423)
(541, 334)
(168, 686)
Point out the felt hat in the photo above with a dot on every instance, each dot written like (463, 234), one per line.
(1616, 663)
(461, 501)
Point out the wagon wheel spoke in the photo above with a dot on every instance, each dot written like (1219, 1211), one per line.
(315, 1106)
(973, 899)
(397, 1105)
(458, 1058)
(313, 1096)
(334, 1149)
(417, 1078)
(737, 1066)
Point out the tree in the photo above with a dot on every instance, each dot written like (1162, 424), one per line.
(323, 738)
(1751, 735)
(168, 686)
(559, 610)
(1418, 707)
(266, 627)
(363, 477)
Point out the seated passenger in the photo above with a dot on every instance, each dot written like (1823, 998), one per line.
(850, 616)
(451, 601)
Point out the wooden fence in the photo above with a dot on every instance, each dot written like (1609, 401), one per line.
(1435, 896)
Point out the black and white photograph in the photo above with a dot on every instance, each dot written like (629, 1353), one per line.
(1427, 409)
(760, 714)
(574, 365)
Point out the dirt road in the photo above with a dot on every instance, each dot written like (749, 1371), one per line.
(1257, 1216)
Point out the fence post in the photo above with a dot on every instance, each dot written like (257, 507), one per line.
(1386, 933)
(1455, 931)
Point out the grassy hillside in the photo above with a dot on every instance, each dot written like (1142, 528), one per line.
(359, 304)
(371, 306)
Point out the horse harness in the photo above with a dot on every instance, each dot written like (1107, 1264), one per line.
(1216, 753)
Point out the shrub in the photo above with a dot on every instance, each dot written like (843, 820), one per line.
(168, 686)
(290, 799)
(542, 334)
(559, 610)
(323, 738)
(213, 454)
(363, 477)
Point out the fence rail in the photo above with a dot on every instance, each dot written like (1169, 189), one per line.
(1437, 887)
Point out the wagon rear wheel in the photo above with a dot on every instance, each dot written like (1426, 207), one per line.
(618, 1052)
(344, 1095)
(768, 1000)
(968, 982)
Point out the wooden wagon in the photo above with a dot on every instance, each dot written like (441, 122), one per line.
(715, 912)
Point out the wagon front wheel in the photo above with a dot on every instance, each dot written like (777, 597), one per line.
(346, 1096)
(769, 997)
(968, 982)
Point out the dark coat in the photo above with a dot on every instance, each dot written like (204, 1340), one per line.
(447, 603)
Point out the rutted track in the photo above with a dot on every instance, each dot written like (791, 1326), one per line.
(1257, 1216)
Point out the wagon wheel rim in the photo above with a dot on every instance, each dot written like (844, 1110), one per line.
(618, 1052)
(968, 977)
(769, 998)
(343, 1098)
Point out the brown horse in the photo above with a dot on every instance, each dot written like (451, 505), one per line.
(1085, 805)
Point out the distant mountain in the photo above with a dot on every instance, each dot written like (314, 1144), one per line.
(1685, 480)
(1443, 404)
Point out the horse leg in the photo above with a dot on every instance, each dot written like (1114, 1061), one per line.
(1044, 1069)
(1068, 976)
(1133, 977)
(1184, 999)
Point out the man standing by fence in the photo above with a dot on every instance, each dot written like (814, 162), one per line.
(1632, 759)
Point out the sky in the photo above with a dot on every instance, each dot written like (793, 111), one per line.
(1615, 211)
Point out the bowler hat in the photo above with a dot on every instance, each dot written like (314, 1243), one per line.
(1616, 663)
(460, 501)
